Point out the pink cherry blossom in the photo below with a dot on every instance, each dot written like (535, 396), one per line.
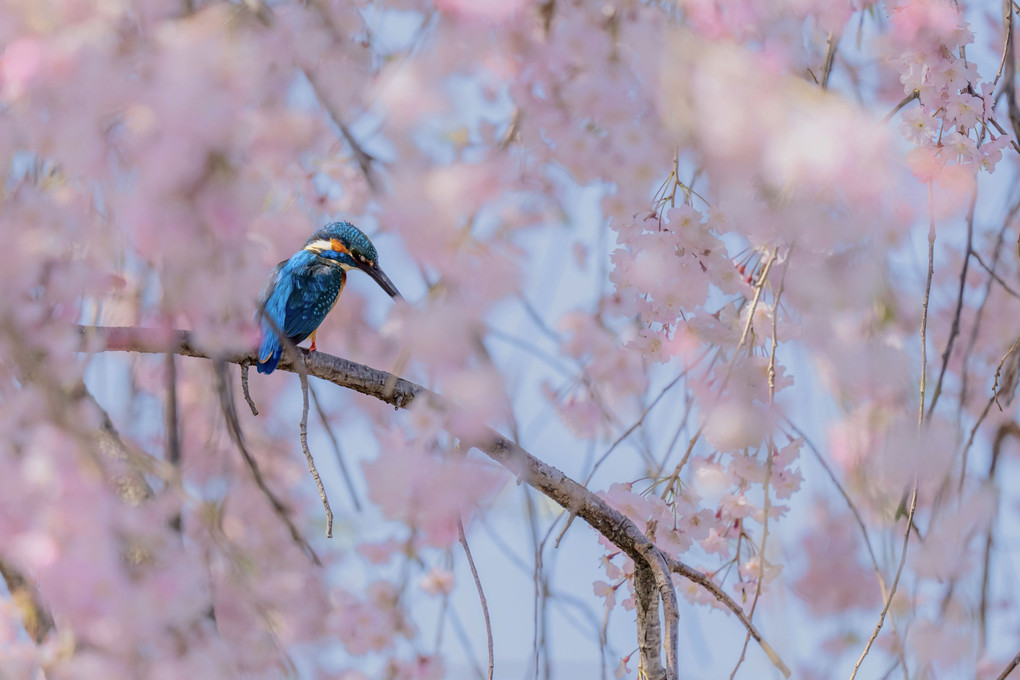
(676, 251)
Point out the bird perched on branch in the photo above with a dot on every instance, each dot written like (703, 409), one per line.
(302, 290)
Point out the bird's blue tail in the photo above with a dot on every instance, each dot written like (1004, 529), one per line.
(269, 352)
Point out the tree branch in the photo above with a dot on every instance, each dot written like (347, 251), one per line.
(609, 522)
(35, 617)
(649, 631)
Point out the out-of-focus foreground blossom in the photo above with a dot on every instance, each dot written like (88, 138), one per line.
(677, 250)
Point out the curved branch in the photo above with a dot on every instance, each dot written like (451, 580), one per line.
(574, 497)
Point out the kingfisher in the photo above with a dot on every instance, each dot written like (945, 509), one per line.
(302, 290)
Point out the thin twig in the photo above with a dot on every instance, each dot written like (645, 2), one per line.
(955, 328)
(995, 277)
(234, 429)
(996, 390)
(303, 375)
(708, 584)
(895, 583)
(975, 327)
(1009, 84)
(361, 157)
(853, 507)
(348, 480)
(244, 388)
(1009, 667)
(762, 279)
(770, 447)
(1005, 430)
(758, 288)
(540, 619)
(300, 361)
(903, 102)
(920, 424)
(831, 45)
(637, 423)
(481, 593)
(619, 440)
(924, 309)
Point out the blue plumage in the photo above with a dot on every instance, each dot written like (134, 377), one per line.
(302, 290)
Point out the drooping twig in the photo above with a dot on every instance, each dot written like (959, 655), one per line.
(770, 446)
(920, 423)
(298, 360)
(1005, 430)
(303, 375)
(619, 440)
(995, 277)
(361, 157)
(924, 304)
(481, 593)
(955, 328)
(895, 583)
(975, 326)
(244, 388)
(237, 436)
(695, 576)
(540, 620)
(550, 481)
(348, 480)
(1009, 667)
(129, 479)
(849, 501)
(759, 287)
(767, 507)
(1009, 62)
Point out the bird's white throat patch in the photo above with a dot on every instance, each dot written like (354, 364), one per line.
(319, 246)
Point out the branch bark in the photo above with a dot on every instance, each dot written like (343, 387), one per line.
(649, 630)
(401, 393)
(35, 617)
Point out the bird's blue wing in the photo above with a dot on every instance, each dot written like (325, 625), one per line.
(299, 294)
(272, 305)
(313, 293)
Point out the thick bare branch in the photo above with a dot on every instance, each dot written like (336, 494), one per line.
(649, 630)
(609, 522)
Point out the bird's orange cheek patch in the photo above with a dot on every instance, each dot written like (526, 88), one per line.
(338, 246)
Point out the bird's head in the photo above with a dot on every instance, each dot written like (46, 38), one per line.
(345, 244)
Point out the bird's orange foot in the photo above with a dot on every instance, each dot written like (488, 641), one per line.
(312, 348)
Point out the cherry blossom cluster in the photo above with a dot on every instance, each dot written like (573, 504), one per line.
(952, 123)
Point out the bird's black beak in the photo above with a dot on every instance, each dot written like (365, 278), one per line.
(383, 280)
